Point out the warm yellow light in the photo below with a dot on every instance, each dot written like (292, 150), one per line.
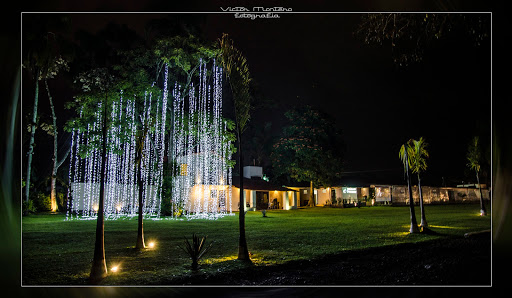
(95, 208)
(114, 269)
(118, 208)
(151, 244)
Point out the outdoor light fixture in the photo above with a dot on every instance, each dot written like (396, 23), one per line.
(151, 244)
(114, 269)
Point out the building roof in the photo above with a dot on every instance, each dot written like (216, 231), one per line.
(258, 184)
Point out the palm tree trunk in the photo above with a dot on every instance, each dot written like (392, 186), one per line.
(33, 127)
(414, 225)
(99, 265)
(243, 251)
(483, 212)
(423, 223)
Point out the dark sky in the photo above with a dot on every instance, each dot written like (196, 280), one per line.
(314, 58)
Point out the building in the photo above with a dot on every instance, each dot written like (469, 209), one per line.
(397, 195)
(261, 194)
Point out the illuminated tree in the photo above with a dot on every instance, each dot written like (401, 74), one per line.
(237, 71)
(418, 155)
(474, 161)
(42, 58)
(98, 91)
(311, 149)
(405, 156)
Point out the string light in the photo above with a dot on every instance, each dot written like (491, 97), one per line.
(199, 146)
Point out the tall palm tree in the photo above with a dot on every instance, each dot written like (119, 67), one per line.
(237, 70)
(418, 164)
(474, 159)
(404, 155)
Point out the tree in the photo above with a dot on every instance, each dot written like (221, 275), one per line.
(237, 71)
(409, 34)
(474, 161)
(311, 149)
(405, 156)
(41, 58)
(418, 155)
(98, 91)
(59, 63)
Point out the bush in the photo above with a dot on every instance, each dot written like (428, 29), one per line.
(42, 202)
(28, 207)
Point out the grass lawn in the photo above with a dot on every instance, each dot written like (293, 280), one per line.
(59, 252)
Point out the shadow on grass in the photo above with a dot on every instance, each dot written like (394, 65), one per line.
(428, 231)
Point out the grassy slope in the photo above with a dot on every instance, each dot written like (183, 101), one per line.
(59, 252)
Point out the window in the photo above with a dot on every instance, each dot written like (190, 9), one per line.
(305, 191)
(183, 169)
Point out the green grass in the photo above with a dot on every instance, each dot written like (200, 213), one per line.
(59, 252)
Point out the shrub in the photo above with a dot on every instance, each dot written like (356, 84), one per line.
(42, 202)
(28, 206)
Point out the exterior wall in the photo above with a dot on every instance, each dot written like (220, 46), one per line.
(383, 194)
(437, 195)
(323, 196)
(285, 199)
(302, 195)
(214, 195)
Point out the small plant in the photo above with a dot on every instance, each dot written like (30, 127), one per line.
(197, 249)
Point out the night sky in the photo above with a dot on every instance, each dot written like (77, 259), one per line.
(316, 59)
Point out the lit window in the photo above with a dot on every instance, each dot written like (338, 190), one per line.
(183, 169)
(305, 191)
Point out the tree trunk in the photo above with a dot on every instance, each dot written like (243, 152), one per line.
(99, 265)
(243, 251)
(422, 207)
(483, 212)
(33, 127)
(140, 228)
(311, 202)
(53, 192)
(414, 225)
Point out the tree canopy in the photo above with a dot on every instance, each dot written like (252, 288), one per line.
(311, 148)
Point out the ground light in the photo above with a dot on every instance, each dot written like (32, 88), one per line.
(151, 244)
(114, 269)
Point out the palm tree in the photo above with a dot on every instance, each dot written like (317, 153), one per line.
(404, 155)
(474, 158)
(418, 164)
(235, 66)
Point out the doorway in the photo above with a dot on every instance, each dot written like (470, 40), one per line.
(261, 200)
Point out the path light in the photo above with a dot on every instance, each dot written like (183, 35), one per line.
(151, 244)
(114, 269)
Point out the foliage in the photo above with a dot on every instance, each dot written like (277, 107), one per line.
(197, 249)
(236, 67)
(28, 207)
(474, 154)
(410, 34)
(42, 202)
(418, 154)
(311, 148)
